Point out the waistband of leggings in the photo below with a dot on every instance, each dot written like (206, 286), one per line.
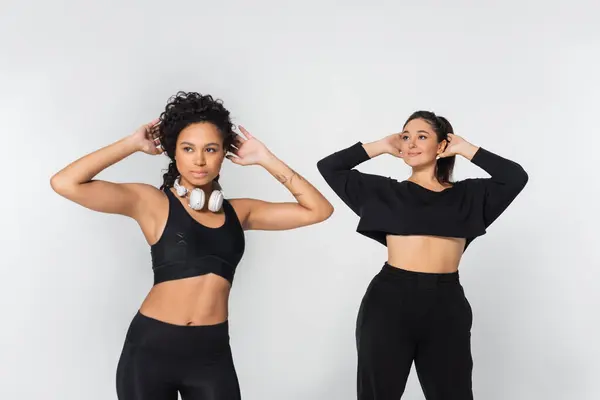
(152, 333)
(395, 273)
(153, 323)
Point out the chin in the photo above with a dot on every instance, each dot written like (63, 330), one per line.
(199, 181)
(418, 163)
(411, 162)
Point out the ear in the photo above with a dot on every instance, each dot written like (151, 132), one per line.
(442, 146)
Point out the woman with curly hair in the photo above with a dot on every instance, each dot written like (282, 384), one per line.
(415, 308)
(178, 341)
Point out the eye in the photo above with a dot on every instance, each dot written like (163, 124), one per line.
(422, 137)
(187, 148)
(211, 150)
(404, 137)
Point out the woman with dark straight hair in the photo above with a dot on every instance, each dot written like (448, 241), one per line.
(415, 308)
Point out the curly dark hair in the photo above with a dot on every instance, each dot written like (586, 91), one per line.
(187, 108)
(442, 127)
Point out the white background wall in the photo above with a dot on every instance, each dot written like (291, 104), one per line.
(519, 78)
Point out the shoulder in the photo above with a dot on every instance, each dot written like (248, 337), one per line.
(141, 188)
(470, 185)
(470, 182)
(145, 191)
(150, 199)
(243, 206)
(378, 183)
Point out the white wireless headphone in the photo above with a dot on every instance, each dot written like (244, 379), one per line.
(198, 197)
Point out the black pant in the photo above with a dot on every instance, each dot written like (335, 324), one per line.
(413, 316)
(160, 359)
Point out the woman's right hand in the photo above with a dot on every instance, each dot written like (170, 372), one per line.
(146, 140)
(388, 145)
(391, 144)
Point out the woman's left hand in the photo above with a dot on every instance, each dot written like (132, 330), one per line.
(457, 145)
(248, 150)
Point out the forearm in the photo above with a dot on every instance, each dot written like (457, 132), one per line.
(501, 170)
(469, 151)
(305, 193)
(85, 168)
(375, 149)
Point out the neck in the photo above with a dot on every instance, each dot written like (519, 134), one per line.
(424, 175)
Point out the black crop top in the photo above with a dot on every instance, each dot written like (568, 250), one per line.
(187, 248)
(386, 206)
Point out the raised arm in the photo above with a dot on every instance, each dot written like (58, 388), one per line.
(507, 178)
(352, 186)
(310, 207)
(75, 182)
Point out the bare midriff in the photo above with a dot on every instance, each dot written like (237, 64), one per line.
(433, 254)
(200, 300)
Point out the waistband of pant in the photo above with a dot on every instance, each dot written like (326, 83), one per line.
(152, 333)
(395, 273)
(220, 328)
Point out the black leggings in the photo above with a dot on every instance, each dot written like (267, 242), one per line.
(413, 316)
(159, 359)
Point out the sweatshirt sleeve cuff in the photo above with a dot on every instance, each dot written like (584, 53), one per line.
(346, 158)
(357, 153)
(480, 154)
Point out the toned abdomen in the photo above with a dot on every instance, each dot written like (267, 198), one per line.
(425, 253)
(200, 300)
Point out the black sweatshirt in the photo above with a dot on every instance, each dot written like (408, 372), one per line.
(386, 206)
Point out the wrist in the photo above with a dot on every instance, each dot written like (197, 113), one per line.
(375, 149)
(469, 151)
(131, 143)
(269, 160)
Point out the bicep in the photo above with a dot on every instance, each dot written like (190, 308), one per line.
(497, 197)
(107, 197)
(269, 216)
(353, 187)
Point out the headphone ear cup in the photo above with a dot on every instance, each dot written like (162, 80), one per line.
(215, 202)
(197, 199)
(181, 190)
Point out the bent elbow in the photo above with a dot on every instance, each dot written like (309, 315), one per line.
(57, 183)
(321, 167)
(60, 185)
(523, 178)
(322, 214)
(326, 168)
(328, 212)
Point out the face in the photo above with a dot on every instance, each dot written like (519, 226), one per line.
(419, 143)
(199, 153)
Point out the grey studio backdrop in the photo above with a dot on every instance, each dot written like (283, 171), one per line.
(519, 78)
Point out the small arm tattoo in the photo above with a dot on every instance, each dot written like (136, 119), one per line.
(284, 179)
(281, 178)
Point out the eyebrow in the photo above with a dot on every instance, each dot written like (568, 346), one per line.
(193, 145)
(420, 131)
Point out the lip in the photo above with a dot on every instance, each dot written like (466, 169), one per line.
(199, 174)
(413, 154)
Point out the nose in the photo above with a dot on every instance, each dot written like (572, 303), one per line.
(200, 160)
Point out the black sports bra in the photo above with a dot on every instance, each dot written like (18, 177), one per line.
(187, 248)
